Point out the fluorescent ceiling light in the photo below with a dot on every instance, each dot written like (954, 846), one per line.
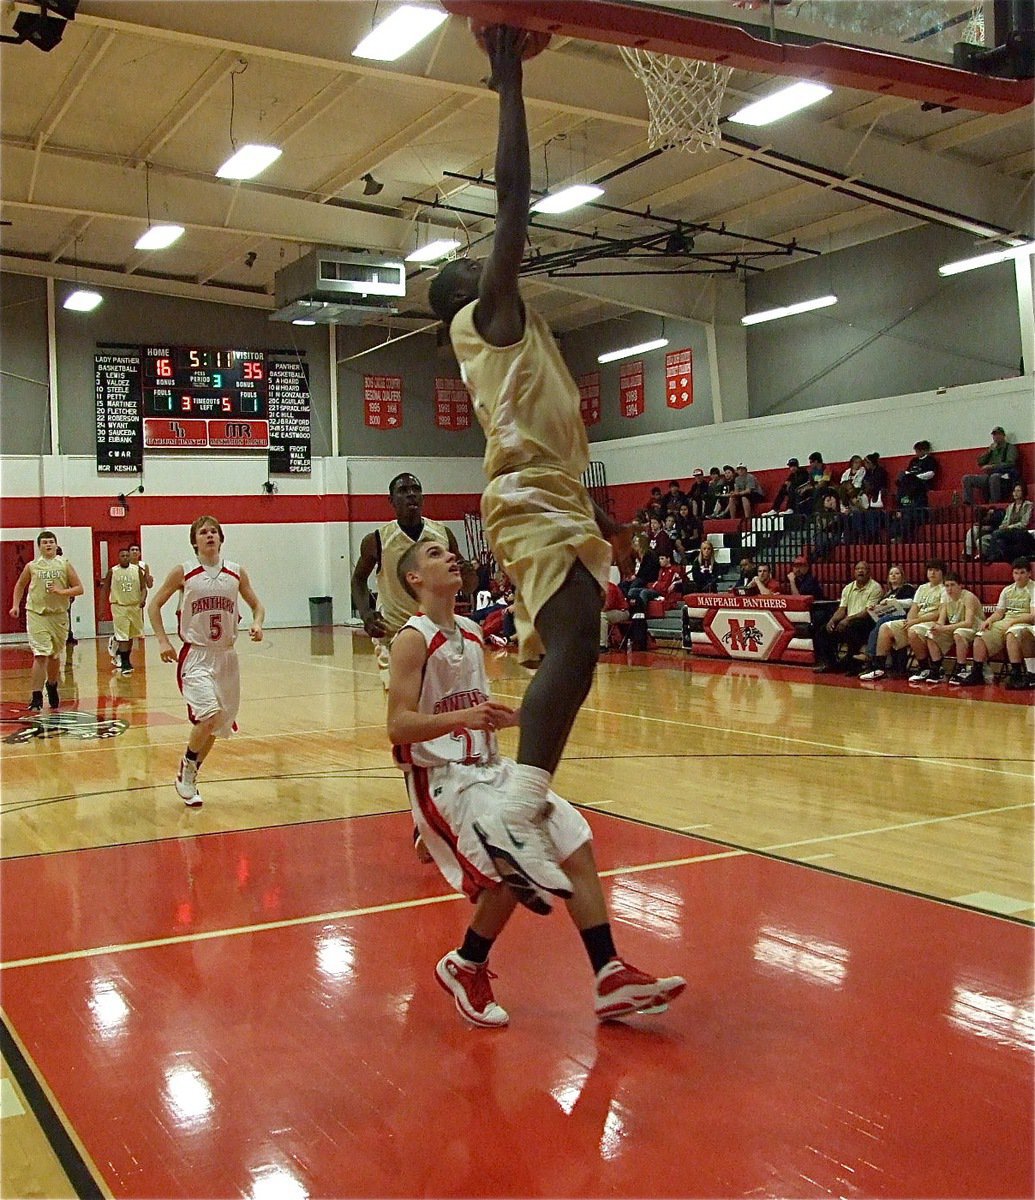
(433, 251)
(629, 351)
(249, 161)
(300, 321)
(986, 260)
(788, 310)
(568, 198)
(159, 236)
(399, 32)
(781, 104)
(83, 301)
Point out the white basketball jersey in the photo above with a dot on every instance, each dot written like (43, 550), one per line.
(454, 679)
(208, 612)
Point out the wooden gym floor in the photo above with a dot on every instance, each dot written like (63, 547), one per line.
(239, 1001)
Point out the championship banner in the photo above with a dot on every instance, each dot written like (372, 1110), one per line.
(382, 401)
(452, 405)
(679, 378)
(589, 398)
(631, 390)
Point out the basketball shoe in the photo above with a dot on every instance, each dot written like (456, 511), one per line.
(622, 990)
(187, 783)
(113, 651)
(53, 699)
(516, 842)
(471, 989)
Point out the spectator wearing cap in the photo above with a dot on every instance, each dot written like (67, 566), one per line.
(998, 473)
(801, 581)
(797, 477)
(745, 494)
(695, 493)
(915, 481)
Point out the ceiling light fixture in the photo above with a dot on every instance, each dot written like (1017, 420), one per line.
(986, 260)
(788, 310)
(301, 321)
(568, 198)
(433, 251)
(629, 351)
(249, 161)
(781, 104)
(399, 32)
(158, 237)
(82, 300)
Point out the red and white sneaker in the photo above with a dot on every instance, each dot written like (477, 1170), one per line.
(471, 990)
(622, 990)
(187, 783)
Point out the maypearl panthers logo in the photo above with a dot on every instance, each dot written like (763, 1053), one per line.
(82, 726)
(743, 636)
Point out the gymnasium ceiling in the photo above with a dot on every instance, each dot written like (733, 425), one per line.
(131, 114)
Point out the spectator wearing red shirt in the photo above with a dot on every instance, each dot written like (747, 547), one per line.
(763, 584)
(615, 613)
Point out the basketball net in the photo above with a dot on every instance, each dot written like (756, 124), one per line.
(683, 98)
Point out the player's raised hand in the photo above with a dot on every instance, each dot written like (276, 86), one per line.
(504, 45)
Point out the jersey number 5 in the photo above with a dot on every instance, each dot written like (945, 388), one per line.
(215, 626)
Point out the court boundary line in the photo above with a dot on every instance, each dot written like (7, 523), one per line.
(81, 1171)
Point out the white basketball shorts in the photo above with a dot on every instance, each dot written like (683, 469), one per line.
(210, 682)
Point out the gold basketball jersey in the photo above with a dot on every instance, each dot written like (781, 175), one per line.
(43, 571)
(393, 600)
(523, 396)
(125, 586)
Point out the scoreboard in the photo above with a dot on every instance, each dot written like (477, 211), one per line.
(185, 381)
(201, 398)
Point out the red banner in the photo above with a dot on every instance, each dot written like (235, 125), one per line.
(631, 391)
(679, 378)
(382, 401)
(589, 397)
(452, 405)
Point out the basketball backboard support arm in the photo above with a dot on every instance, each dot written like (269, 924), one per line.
(691, 36)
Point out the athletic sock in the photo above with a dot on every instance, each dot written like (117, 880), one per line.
(935, 669)
(124, 656)
(599, 945)
(191, 756)
(475, 948)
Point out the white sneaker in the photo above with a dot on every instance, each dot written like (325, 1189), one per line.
(187, 783)
(921, 676)
(515, 840)
(113, 650)
(622, 989)
(471, 989)
(869, 676)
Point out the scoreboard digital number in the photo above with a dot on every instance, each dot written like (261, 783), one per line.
(200, 398)
(188, 381)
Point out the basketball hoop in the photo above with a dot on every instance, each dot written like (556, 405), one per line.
(683, 98)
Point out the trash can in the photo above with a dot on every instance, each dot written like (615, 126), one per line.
(321, 610)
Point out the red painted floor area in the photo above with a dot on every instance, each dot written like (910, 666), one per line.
(836, 1038)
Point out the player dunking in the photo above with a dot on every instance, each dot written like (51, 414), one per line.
(208, 672)
(52, 582)
(539, 520)
(443, 721)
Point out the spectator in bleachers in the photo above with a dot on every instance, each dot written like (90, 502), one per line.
(979, 535)
(656, 497)
(1015, 602)
(714, 496)
(763, 583)
(876, 476)
(915, 481)
(999, 470)
(704, 570)
(797, 478)
(647, 567)
(892, 606)
(960, 611)
(696, 490)
(673, 498)
(850, 623)
(1011, 538)
(801, 581)
(657, 538)
(855, 472)
(724, 491)
(748, 570)
(614, 613)
(828, 526)
(895, 634)
(1020, 644)
(818, 479)
(745, 494)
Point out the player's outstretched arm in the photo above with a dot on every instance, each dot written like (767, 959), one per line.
(255, 604)
(499, 316)
(172, 584)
